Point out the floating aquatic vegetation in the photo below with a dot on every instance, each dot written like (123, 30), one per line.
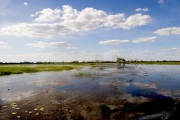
(30, 112)
(42, 109)
(17, 108)
(36, 113)
(35, 109)
(14, 113)
(14, 105)
(18, 116)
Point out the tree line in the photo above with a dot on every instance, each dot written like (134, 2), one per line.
(100, 61)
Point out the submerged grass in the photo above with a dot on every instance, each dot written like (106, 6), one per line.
(84, 74)
(19, 69)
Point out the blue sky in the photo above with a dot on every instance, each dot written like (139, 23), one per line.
(68, 30)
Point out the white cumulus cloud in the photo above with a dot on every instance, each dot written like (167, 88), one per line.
(87, 19)
(168, 31)
(47, 15)
(68, 13)
(43, 30)
(41, 44)
(120, 21)
(142, 9)
(115, 20)
(138, 40)
(136, 20)
(25, 4)
(145, 39)
(50, 23)
(114, 42)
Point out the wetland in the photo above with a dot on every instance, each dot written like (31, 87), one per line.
(100, 92)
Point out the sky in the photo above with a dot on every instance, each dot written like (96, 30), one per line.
(86, 30)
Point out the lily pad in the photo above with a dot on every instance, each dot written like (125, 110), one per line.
(30, 112)
(36, 113)
(14, 105)
(14, 113)
(42, 109)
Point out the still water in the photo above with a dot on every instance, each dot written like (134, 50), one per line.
(137, 80)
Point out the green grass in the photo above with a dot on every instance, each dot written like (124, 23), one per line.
(19, 69)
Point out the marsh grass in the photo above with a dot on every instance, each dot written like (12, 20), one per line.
(101, 68)
(84, 74)
(18, 69)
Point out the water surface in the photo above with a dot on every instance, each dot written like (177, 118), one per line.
(135, 79)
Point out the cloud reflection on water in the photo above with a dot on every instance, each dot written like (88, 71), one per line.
(145, 85)
(16, 96)
(115, 84)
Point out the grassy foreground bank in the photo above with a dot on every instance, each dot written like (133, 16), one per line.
(19, 69)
